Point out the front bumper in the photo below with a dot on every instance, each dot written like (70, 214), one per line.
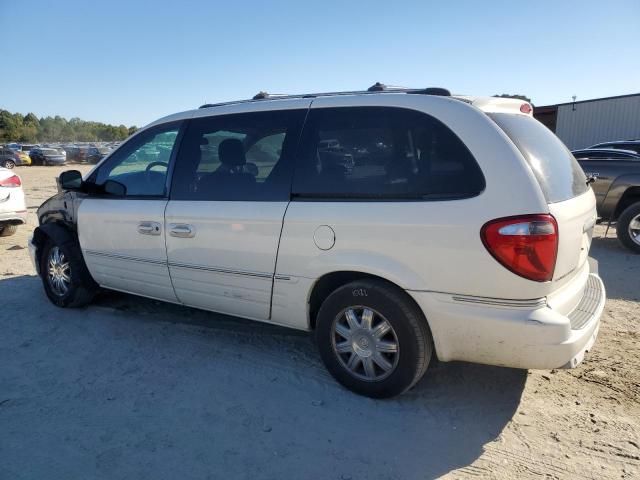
(518, 334)
(33, 253)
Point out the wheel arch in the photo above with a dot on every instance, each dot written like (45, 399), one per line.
(331, 281)
(56, 231)
(630, 196)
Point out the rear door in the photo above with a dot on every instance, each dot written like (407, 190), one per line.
(122, 237)
(230, 191)
(564, 186)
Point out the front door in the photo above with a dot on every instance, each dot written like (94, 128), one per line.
(122, 235)
(229, 194)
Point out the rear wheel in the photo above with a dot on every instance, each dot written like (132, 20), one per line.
(8, 230)
(65, 277)
(628, 227)
(8, 164)
(373, 339)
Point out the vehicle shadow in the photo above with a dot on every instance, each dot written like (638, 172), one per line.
(618, 267)
(131, 387)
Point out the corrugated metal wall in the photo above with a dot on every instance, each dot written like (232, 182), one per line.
(599, 121)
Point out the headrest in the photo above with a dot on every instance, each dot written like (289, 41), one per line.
(231, 152)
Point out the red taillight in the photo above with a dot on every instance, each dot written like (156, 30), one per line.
(12, 181)
(526, 108)
(527, 245)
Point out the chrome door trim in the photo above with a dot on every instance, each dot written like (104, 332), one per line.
(221, 270)
(188, 266)
(95, 253)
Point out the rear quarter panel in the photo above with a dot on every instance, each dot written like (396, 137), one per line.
(429, 245)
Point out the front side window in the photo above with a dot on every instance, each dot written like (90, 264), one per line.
(383, 153)
(245, 156)
(142, 164)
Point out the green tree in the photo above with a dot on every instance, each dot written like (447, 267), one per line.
(28, 128)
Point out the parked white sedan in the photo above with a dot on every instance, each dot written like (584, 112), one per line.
(13, 211)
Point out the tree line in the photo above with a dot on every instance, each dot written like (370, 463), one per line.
(15, 127)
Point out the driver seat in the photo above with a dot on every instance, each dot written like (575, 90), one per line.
(229, 179)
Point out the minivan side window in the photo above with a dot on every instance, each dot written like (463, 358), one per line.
(244, 156)
(142, 164)
(382, 153)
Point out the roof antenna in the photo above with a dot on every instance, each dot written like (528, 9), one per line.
(261, 95)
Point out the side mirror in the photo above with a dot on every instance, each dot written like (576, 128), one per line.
(70, 180)
(112, 187)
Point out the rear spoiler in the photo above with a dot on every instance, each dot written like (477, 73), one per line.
(499, 105)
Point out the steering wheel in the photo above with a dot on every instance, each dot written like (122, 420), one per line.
(155, 164)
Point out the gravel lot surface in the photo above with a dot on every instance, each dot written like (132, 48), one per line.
(133, 388)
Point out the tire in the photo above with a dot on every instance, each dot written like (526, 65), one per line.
(409, 331)
(627, 234)
(8, 164)
(8, 230)
(80, 287)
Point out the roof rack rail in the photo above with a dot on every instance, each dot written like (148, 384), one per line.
(377, 87)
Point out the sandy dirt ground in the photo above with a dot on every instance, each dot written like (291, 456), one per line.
(132, 388)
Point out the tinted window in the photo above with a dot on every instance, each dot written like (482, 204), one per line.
(633, 146)
(383, 153)
(142, 163)
(238, 157)
(557, 171)
(595, 154)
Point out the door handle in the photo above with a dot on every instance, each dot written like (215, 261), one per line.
(181, 230)
(149, 228)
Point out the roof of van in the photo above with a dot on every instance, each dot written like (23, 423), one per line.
(485, 104)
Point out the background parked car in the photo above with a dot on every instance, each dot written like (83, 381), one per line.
(95, 154)
(47, 156)
(27, 147)
(617, 189)
(25, 159)
(72, 151)
(9, 158)
(605, 153)
(13, 211)
(633, 145)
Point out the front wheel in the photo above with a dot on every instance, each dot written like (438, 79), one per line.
(628, 227)
(373, 339)
(9, 164)
(65, 277)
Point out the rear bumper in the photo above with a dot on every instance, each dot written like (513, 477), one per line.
(14, 218)
(518, 334)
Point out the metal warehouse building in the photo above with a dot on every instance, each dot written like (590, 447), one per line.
(584, 123)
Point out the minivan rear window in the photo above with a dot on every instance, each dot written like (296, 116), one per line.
(557, 171)
(383, 153)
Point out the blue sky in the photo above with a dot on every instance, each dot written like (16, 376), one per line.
(131, 62)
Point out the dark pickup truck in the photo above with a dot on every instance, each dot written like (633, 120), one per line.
(617, 189)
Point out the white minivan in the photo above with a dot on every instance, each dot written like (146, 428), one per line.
(394, 224)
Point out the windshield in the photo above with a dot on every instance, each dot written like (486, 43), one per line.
(557, 171)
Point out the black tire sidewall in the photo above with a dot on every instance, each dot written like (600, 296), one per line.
(8, 230)
(378, 298)
(622, 227)
(8, 164)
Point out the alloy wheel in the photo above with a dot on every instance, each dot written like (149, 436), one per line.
(59, 272)
(634, 229)
(365, 343)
